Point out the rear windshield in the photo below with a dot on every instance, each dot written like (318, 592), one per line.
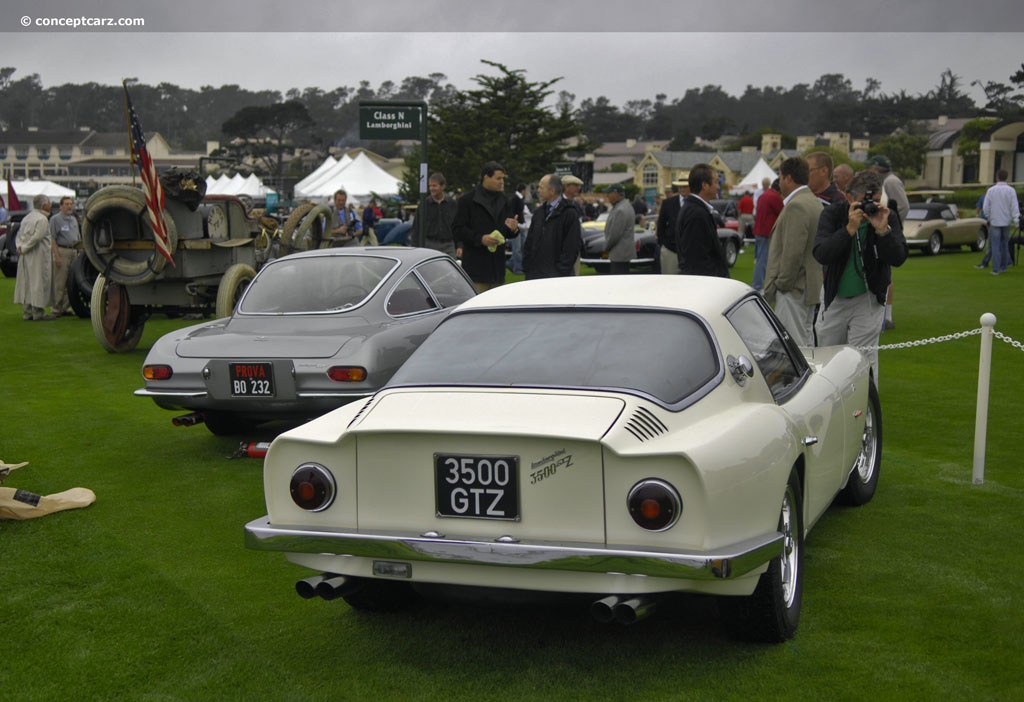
(665, 355)
(315, 284)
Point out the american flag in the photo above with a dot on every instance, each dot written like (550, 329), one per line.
(13, 203)
(150, 180)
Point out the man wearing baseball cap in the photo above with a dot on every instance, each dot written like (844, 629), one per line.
(894, 196)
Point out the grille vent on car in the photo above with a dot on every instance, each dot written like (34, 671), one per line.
(644, 425)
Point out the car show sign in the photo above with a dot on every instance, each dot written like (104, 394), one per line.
(390, 120)
(393, 120)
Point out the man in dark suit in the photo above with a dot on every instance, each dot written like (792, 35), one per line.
(697, 244)
(668, 216)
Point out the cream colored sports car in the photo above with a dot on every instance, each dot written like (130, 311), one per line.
(620, 436)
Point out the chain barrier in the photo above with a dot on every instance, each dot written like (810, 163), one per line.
(940, 339)
(923, 342)
(1012, 342)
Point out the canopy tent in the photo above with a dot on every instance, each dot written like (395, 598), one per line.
(315, 180)
(329, 163)
(359, 179)
(752, 181)
(28, 189)
(237, 185)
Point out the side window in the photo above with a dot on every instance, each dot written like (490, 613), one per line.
(770, 351)
(446, 281)
(409, 297)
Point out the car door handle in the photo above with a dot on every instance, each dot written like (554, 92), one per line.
(809, 440)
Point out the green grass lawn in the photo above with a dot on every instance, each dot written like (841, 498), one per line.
(149, 594)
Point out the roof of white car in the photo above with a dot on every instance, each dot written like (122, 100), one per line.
(704, 295)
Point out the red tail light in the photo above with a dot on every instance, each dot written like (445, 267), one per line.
(654, 504)
(157, 372)
(312, 487)
(347, 374)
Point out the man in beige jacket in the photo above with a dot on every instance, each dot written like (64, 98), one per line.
(793, 279)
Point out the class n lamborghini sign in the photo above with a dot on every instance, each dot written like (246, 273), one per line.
(390, 122)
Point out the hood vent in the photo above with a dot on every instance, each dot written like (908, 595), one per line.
(644, 425)
(360, 412)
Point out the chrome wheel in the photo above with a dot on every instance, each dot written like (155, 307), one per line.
(790, 549)
(864, 466)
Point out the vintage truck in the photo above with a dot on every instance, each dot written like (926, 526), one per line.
(217, 249)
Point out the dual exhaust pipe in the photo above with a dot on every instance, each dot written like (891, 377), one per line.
(327, 586)
(624, 610)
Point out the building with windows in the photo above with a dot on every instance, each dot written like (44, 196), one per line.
(83, 160)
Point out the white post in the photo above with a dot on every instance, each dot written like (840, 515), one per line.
(988, 322)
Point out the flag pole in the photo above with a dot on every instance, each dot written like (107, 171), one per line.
(128, 124)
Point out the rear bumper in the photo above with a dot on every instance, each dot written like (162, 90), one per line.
(732, 561)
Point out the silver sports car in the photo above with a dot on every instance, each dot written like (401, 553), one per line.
(313, 331)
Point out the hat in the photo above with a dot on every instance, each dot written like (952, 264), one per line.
(571, 180)
(615, 188)
(880, 161)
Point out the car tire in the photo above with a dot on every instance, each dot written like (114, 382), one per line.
(772, 613)
(9, 267)
(732, 251)
(980, 241)
(863, 480)
(125, 203)
(934, 244)
(381, 596)
(232, 284)
(292, 223)
(116, 323)
(226, 424)
(81, 280)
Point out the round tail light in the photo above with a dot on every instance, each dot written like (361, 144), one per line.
(312, 487)
(654, 504)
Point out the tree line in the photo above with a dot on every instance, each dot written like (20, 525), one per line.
(504, 116)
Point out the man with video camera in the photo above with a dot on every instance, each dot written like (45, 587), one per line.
(858, 241)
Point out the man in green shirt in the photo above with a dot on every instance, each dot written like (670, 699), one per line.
(858, 241)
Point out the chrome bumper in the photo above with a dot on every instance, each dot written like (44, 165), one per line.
(729, 562)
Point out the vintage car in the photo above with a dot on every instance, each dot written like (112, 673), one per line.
(9, 243)
(313, 331)
(935, 225)
(728, 212)
(622, 437)
(594, 255)
(647, 255)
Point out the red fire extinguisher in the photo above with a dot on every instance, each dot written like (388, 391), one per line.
(252, 449)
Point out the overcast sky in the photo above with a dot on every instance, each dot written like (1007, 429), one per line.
(621, 50)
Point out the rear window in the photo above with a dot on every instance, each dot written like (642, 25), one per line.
(665, 355)
(315, 284)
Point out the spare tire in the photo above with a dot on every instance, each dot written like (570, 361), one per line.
(292, 223)
(315, 224)
(122, 207)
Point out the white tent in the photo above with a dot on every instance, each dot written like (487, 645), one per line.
(28, 189)
(254, 187)
(359, 179)
(329, 163)
(752, 181)
(237, 185)
(312, 184)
